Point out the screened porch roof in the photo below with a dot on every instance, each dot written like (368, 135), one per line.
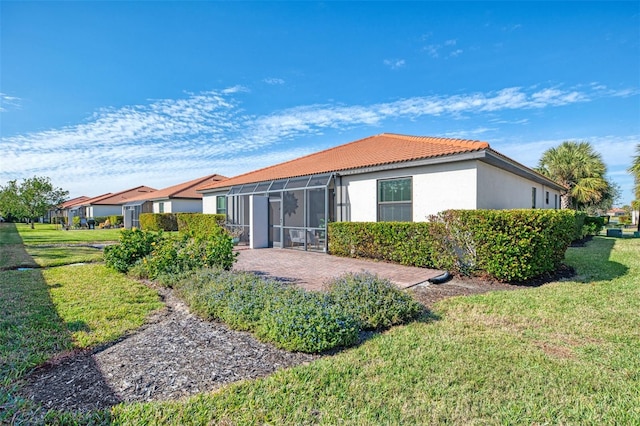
(300, 182)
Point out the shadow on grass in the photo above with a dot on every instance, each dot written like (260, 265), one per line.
(591, 261)
(31, 332)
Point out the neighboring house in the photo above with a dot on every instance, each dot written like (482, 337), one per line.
(181, 198)
(616, 212)
(387, 177)
(68, 209)
(111, 204)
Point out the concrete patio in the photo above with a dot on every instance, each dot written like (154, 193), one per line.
(312, 270)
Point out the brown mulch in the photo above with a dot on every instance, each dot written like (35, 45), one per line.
(176, 354)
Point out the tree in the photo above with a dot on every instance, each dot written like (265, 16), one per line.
(33, 198)
(580, 169)
(610, 197)
(634, 169)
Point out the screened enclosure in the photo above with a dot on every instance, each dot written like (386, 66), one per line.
(298, 210)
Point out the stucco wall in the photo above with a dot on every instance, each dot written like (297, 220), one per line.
(499, 189)
(106, 210)
(178, 206)
(209, 202)
(435, 188)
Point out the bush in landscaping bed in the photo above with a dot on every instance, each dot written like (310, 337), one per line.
(199, 223)
(159, 221)
(116, 220)
(510, 245)
(134, 245)
(290, 317)
(236, 298)
(373, 301)
(592, 225)
(408, 243)
(307, 322)
(183, 252)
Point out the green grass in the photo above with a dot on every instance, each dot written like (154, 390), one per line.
(98, 304)
(49, 256)
(564, 353)
(48, 234)
(45, 312)
(31, 331)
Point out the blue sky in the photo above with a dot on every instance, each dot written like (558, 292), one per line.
(104, 96)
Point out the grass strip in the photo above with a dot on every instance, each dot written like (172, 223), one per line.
(44, 233)
(98, 304)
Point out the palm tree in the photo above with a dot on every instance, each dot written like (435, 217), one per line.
(580, 169)
(635, 172)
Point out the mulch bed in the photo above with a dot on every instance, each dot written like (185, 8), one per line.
(176, 354)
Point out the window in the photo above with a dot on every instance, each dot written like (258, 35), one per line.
(533, 198)
(160, 207)
(547, 197)
(555, 201)
(221, 204)
(394, 200)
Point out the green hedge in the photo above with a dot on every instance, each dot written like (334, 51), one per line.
(199, 223)
(159, 221)
(408, 243)
(593, 225)
(509, 245)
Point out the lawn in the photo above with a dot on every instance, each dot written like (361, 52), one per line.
(563, 353)
(47, 234)
(46, 312)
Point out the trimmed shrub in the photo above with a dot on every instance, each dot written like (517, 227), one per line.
(375, 302)
(593, 225)
(510, 245)
(199, 223)
(183, 252)
(579, 233)
(100, 219)
(134, 245)
(408, 243)
(116, 220)
(307, 322)
(159, 221)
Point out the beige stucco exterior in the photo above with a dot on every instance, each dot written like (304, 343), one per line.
(470, 183)
(178, 206)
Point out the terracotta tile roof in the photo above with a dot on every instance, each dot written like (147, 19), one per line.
(72, 202)
(385, 148)
(119, 197)
(181, 190)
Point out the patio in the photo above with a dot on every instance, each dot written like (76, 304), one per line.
(311, 270)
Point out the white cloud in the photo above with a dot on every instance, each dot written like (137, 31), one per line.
(394, 64)
(468, 134)
(235, 89)
(172, 140)
(8, 102)
(432, 50)
(446, 49)
(273, 81)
